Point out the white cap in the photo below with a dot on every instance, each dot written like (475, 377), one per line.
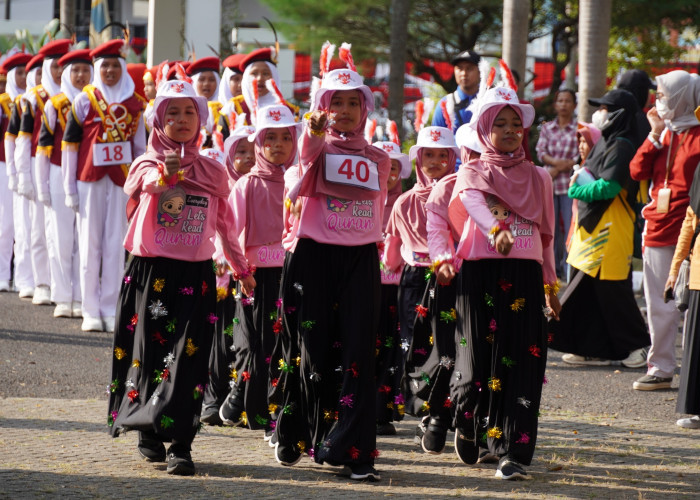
(275, 116)
(214, 154)
(178, 89)
(466, 137)
(343, 79)
(394, 152)
(433, 137)
(501, 95)
(237, 134)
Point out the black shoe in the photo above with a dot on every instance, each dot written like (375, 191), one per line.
(433, 441)
(210, 416)
(180, 461)
(466, 447)
(386, 429)
(231, 411)
(150, 447)
(361, 472)
(287, 455)
(420, 430)
(510, 470)
(486, 457)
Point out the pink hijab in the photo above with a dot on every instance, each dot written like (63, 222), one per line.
(350, 143)
(509, 176)
(200, 173)
(264, 195)
(409, 218)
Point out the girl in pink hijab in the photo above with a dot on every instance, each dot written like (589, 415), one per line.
(507, 279)
(257, 203)
(420, 300)
(166, 308)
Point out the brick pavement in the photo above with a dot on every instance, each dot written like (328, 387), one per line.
(60, 448)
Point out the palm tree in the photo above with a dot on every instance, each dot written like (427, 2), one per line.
(594, 34)
(515, 28)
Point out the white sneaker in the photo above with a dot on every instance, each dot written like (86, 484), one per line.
(77, 309)
(26, 293)
(689, 423)
(575, 359)
(91, 324)
(42, 296)
(63, 310)
(4, 286)
(108, 323)
(636, 359)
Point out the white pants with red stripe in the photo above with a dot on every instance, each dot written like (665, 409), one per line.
(101, 229)
(38, 246)
(63, 253)
(24, 277)
(7, 231)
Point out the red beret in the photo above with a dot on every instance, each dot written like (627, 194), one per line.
(257, 55)
(76, 56)
(34, 62)
(204, 64)
(233, 62)
(19, 59)
(55, 49)
(113, 48)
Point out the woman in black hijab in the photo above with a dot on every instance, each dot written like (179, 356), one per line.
(600, 320)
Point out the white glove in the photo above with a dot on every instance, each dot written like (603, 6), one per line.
(72, 201)
(25, 187)
(44, 198)
(12, 182)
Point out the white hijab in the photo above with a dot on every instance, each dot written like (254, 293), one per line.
(266, 100)
(682, 93)
(12, 89)
(225, 94)
(67, 86)
(51, 87)
(215, 95)
(31, 78)
(116, 93)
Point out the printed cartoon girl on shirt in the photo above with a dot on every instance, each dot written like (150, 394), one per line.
(170, 206)
(499, 211)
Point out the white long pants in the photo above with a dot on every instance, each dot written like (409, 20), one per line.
(663, 318)
(39, 247)
(7, 227)
(63, 241)
(24, 277)
(101, 230)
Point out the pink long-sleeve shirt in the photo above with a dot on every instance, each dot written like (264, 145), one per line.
(180, 223)
(474, 244)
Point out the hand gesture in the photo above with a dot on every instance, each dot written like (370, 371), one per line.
(446, 273)
(657, 124)
(504, 242)
(318, 121)
(172, 163)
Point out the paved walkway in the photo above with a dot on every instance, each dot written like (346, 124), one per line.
(60, 448)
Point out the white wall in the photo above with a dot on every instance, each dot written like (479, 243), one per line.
(28, 10)
(202, 26)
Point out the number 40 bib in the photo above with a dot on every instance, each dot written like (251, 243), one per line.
(352, 170)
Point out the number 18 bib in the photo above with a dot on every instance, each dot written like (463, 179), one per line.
(352, 170)
(105, 154)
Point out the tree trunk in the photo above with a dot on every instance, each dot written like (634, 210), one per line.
(571, 70)
(594, 34)
(397, 60)
(515, 27)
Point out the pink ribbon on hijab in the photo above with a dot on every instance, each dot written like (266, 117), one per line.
(200, 173)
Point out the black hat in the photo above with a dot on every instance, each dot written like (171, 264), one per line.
(616, 98)
(468, 56)
(635, 78)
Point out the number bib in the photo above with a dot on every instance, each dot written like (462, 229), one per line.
(106, 154)
(352, 170)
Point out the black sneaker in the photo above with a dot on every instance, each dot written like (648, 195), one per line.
(466, 447)
(231, 411)
(510, 470)
(433, 441)
(150, 447)
(386, 429)
(180, 462)
(486, 457)
(652, 383)
(362, 472)
(286, 455)
(210, 416)
(420, 430)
